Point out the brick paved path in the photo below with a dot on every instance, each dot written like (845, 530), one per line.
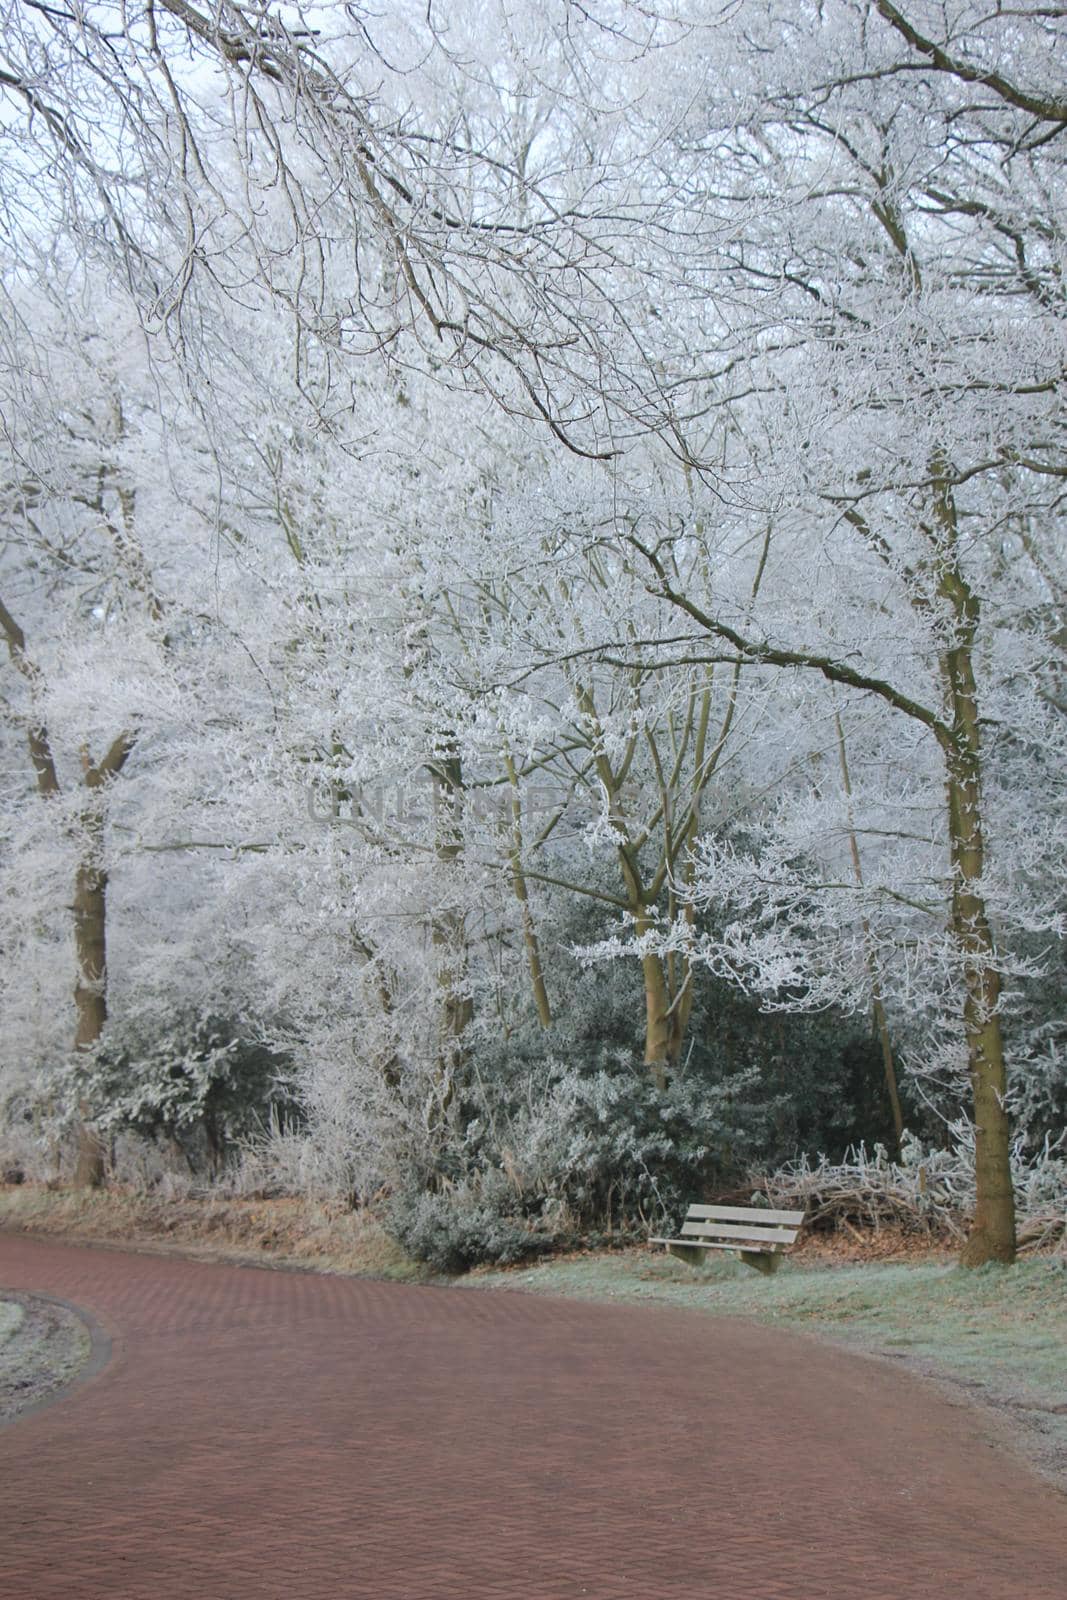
(278, 1436)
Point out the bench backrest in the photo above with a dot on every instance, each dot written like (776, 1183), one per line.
(742, 1222)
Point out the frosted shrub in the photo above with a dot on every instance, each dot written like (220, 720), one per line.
(28, 1143)
(466, 1225)
(283, 1159)
(540, 1152)
(197, 1086)
(928, 1190)
(627, 1153)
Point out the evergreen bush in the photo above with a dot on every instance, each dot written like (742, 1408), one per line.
(202, 1084)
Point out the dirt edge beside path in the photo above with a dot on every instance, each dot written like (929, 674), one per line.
(283, 1232)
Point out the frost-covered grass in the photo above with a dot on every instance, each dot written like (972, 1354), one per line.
(11, 1317)
(42, 1346)
(1000, 1332)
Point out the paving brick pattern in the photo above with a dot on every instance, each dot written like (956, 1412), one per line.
(266, 1435)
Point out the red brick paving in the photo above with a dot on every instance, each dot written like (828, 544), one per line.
(278, 1436)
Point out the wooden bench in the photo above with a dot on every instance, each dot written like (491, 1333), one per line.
(758, 1236)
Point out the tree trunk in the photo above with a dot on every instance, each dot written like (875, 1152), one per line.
(992, 1237)
(666, 1020)
(657, 1021)
(518, 879)
(881, 1022)
(390, 1066)
(90, 990)
(449, 931)
(90, 882)
(881, 1028)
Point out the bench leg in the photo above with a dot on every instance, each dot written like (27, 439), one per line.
(765, 1261)
(689, 1253)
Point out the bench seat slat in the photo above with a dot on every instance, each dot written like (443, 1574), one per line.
(727, 1230)
(755, 1214)
(712, 1244)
